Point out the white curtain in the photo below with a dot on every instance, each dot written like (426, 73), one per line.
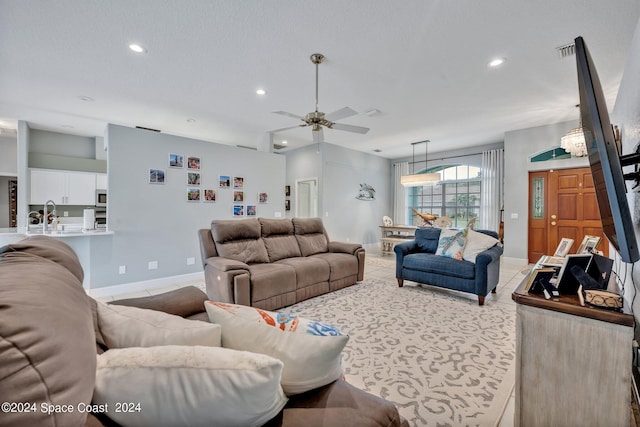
(400, 193)
(492, 193)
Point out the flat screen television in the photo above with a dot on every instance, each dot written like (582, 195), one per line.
(604, 159)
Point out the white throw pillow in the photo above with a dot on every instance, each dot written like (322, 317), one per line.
(477, 242)
(310, 360)
(188, 386)
(122, 326)
(451, 243)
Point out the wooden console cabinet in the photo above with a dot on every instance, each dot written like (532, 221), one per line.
(392, 234)
(573, 363)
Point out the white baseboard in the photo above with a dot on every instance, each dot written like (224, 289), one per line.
(145, 284)
(517, 261)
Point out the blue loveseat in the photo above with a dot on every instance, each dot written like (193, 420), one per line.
(416, 261)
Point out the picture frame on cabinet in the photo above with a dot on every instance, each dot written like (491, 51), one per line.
(589, 244)
(563, 247)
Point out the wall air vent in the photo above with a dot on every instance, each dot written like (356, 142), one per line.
(566, 50)
(144, 128)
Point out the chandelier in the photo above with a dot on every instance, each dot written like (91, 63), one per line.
(419, 179)
(574, 143)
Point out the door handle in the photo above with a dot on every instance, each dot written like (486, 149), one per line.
(553, 223)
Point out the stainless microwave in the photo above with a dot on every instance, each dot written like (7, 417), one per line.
(101, 198)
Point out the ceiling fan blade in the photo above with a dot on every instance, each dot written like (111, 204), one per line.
(340, 114)
(350, 128)
(283, 129)
(318, 135)
(284, 113)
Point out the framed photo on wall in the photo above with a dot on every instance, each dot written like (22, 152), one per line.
(225, 181)
(263, 198)
(209, 195)
(251, 210)
(193, 163)
(193, 194)
(238, 210)
(176, 160)
(238, 182)
(193, 178)
(238, 196)
(156, 176)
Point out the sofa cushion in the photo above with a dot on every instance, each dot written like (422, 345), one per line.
(341, 265)
(310, 235)
(123, 326)
(477, 242)
(441, 265)
(309, 270)
(427, 239)
(279, 239)
(184, 302)
(47, 340)
(451, 243)
(189, 386)
(268, 280)
(310, 361)
(239, 240)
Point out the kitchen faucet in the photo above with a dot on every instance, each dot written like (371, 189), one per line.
(45, 220)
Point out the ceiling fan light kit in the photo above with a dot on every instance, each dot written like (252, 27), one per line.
(317, 119)
(419, 179)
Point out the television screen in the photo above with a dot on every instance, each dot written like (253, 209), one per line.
(604, 159)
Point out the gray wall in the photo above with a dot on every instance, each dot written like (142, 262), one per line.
(519, 145)
(8, 155)
(155, 222)
(340, 171)
(626, 114)
(62, 144)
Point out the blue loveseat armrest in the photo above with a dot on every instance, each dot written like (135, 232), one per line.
(402, 249)
(488, 269)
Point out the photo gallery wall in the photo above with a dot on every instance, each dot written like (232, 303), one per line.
(228, 188)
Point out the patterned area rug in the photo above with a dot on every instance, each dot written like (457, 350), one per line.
(443, 360)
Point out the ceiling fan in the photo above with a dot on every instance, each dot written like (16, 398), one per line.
(318, 119)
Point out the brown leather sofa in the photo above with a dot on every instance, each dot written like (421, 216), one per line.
(49, 336)
(273, 263)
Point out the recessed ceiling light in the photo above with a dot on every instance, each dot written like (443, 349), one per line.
(137, 48)
(496, 62)
(85, 98)
(284, 142)
(261, 92)
(191, 120)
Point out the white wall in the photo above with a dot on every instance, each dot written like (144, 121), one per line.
(155, 222)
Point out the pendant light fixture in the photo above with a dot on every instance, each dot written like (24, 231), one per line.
(574, 141)
(419, 179)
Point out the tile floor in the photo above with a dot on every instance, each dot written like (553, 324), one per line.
(382, 266)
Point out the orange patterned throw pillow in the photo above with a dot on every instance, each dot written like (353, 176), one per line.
(311, 351)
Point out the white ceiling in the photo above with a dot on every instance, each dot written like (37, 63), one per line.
(421, 63)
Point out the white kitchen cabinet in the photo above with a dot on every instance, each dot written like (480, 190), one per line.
(63, 187)
(101, 181)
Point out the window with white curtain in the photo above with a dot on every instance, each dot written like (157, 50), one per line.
(457, 196)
